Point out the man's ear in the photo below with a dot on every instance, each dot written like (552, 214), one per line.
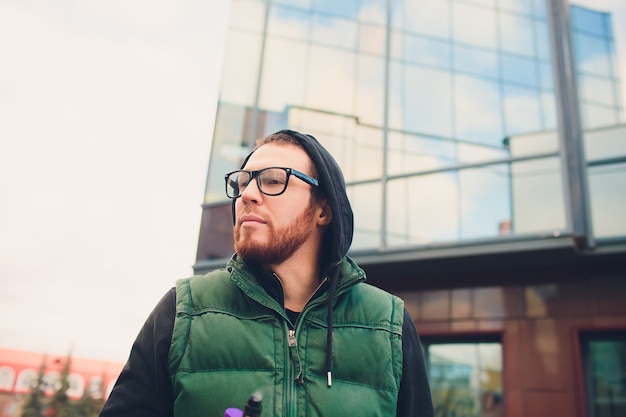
(324, 214)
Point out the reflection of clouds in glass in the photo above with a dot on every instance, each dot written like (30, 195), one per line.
(335, 32)
(420, 100)
(475, 61)
(516, 36)
(372, 39)
(607, 206)
(343, 8)
(484, 201)
(370, 99)
(249, 15)
(477, 110)
(424, 209)
(522, 110)
(330, 85)
(426, 17)
(474, 25)
(597, 89)
(519, 70)
(373, 11)
(425, 51)
(288, 23)
(592, 55)
(282, 86)
(599, 18)
(519, 6)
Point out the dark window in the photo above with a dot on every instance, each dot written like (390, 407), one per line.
(465, 376)
(604, 359)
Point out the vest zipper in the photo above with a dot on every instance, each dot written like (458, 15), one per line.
(295, 356)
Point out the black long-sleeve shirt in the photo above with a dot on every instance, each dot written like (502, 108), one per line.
(144, 386)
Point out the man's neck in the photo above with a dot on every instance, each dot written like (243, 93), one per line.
(299, 278)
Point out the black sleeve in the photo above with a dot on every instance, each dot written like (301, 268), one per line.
(414, 398)
(143, 388)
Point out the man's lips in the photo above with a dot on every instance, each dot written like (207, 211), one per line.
(251, 218)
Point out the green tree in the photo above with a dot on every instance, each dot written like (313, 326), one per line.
(34, 403)
(59, 404)
(87, 405)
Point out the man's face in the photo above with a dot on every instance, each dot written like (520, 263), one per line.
(270, 229)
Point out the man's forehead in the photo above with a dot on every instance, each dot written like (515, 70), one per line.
(279, 154)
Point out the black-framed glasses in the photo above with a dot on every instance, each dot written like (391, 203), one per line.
(270, 181)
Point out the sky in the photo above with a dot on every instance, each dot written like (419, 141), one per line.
(106, 119)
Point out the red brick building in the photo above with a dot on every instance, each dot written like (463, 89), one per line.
(20, 369)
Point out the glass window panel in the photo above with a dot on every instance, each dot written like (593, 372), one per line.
(592, 55)
(373, 11)
(490, 3)
(520, 70)
(518, 6)
(408, 153)
(340, 135)
(468, 153)
(539, 8)
(422, 209)
(425, 17)
(534, 144)
(331, 74)
(241, 63)
(597, 89)
(429, 111)
(334, 31)
(365, 155)
(542, 36)
(607, 205)
(522, 110)
(229, 147)
(283, 85)
(366, 203)
(475, 25)
(425, 51)
(396, 48)
(250, 15)
(516, 36)
(604, 356)
(594, 116)
(288, 22)
(466, 378)
(370, 92)
(476, 61)
(548, 111)
(605, 143)
(589, 21)
(478, 110)
(546, 76)
(537, 196)
(303, 4)
(372, 39)
(485, 201)
(343, 8)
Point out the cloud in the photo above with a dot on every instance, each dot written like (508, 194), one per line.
(106, 117)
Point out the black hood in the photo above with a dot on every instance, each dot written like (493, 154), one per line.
(333, 187)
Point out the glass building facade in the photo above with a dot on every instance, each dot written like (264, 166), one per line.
(483, 144)
(443, 114)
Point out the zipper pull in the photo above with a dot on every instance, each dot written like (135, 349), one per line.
(295, 355)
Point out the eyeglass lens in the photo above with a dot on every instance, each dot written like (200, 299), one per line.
(271, 181)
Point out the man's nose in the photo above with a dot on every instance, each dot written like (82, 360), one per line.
(251, 192)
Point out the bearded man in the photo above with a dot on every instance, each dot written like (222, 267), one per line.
(290, 318)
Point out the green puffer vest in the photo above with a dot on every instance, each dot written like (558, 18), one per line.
(231, 339)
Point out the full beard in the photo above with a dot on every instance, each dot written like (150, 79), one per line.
(281, 244)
